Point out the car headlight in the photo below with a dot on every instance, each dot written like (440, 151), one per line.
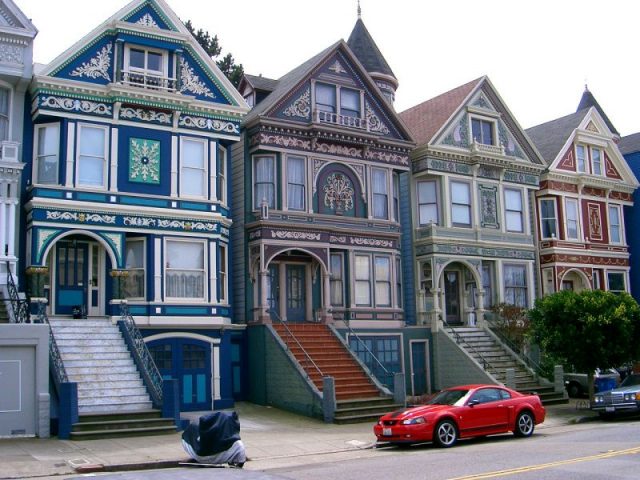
(628, 397)
(414, 421)
(599, 399)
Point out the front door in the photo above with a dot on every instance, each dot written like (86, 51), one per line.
(96, 289)
(71, 272)
(419, 368)
(273, 291)
(296, 306)
(452, 296)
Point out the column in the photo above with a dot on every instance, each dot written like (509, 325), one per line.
(11, 240)
(263, 314)
(437, 311)
(480, 308)
(327, 316)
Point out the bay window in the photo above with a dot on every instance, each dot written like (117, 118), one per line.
(296, 174)
(615, 227)
(396, 197)
(134, 263)
(193, 168)
(47, 154)
(460, 204)
(571, 213)
(515, 285)
(383, 281)
(596, 161)
(264, 186)
(222, 174)
(399, 282)
(223, 278)
(380, 193)
(363, 280)
(336, 283)
(91, 168)
(514, 212)
(145, 67)
(427, 202)
(5, 102)
(185, 269)
(548, 218)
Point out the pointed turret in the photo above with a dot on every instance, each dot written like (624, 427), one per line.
(365, 49)
(588, 101)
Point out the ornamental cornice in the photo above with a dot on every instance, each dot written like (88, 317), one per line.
(140, 30)
(5, 38)
(463, 156)
(323, 228)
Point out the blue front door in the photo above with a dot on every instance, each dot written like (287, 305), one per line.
(188, 361)
(296, 305)
(71, 277)
(419, 367)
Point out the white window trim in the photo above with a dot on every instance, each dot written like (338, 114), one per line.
(386, 194)
(254, 162)
(224, 275)
(205, 262)
(584, 158)
(438, 201)
(222, 167)
(10, 89)
(144, 266)
(338, 97)
(105, 163)
(36, 136)
(127, 57)
(523, 213)
(370, 280)
(390, 282)
(527, 285)
(305, 201)
(395, 194)
(620, 223)
(342, 279)
(494, 129)
(624, 279)
(555, 211)
(592, 163)
(566, 223)
(471, 206)
(205, 162)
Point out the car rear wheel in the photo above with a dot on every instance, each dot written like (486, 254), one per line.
(524, 425)
(574, 390)
(446, 434)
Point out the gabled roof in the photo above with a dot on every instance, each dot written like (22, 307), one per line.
(551, 136)
(426, 119)
(13, 20)
(587, 101)
(365, 49)
(258, 82)
(629, 144)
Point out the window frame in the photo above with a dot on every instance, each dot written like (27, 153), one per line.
(600, 163)
(142, 240)
(618, 226)
(567, 201)
(6, 117)
(337, 108)
(145, 71)
(436, 203)
(382, 197)
(520, 213)
(303, 185)
(37, 156)
(337, 279)
(166, 269)
(487, 300)
(542, 219)
(205, 169)
(514, 287)
(341, 108)
(395, 191)
(359, 281)
(482, 121)
(254, 166)
(581, 161)
(105, 157)
(222, 158)
(383, 282)
(223, 273)
(624, 280)
(469, 206)
(398, 278)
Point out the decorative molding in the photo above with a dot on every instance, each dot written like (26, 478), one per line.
(337, 68)
(289, 235)
(116, 241)
(375, 124)
(458, 136)
(147, 21)
(11, 54)
(595, 222)
(280, 141)
(522, 178)
(190, 82)
(96, 67)
(139, 221)
(201, 123)
(81, 217)
(42, 238)
(508, 142)
(187, 225)
(317, 165)
(145, 115)
(482, 102)
(387, 157)
(485, 171)
(584, 259)
(75, 105)
(300, 107)
(338, 149)
(144, 161)
(371, 242)
(488, 207)
(338, 193)
(592, 128)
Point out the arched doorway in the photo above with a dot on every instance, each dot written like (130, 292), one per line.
(460, 287)
(574, 280)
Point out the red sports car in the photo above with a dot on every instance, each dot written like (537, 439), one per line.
(462, 412)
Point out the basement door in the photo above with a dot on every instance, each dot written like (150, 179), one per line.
(188, 361)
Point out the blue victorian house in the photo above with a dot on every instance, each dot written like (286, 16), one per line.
(127, 203)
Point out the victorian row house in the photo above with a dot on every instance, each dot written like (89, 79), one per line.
(579, 217)
(629, 146)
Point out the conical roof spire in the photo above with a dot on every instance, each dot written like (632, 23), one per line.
(363, 46)
(587, 101)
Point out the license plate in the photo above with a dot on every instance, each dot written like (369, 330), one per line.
(609, 409)
(386, 432)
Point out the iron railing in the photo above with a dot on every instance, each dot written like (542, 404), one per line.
(486, 365)
(19, 306)
(56, 365)
(141, 354)
(307, 358)
(498, 332)
(386, 373)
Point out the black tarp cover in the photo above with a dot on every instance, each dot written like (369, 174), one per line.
(214, 433)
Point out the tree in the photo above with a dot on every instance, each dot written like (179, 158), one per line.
(232, 70)
(588, 330)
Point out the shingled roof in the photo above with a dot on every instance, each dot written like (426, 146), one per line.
(630, 144)
(588, 100)
(258, 82)
(550, 137)
(365, 49)
(424, 120)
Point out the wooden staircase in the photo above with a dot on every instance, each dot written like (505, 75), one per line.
(496, 359)
(357, 396)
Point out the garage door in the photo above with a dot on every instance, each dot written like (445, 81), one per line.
(17, 395)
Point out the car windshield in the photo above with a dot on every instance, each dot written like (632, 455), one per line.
(448, 397)
(630, 381)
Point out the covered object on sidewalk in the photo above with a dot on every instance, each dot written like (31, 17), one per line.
(215, 439)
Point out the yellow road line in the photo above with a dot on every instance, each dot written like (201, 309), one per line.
(541, 466)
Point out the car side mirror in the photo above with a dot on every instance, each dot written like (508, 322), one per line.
(473, 402)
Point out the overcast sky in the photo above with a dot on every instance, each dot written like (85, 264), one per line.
(537, 54)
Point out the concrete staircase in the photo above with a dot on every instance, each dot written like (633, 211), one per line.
(496, 359)
(357, 396)
(4, 313)
(112, 399)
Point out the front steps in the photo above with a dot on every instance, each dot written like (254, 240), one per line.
(358, 398)
(496, 359)
(112, 399)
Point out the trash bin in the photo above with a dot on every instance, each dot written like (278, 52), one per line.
(77, 311)
(605, 384)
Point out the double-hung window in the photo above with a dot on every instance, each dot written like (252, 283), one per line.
(581, 152)
(185, 269)
(5, 99)
(222, 174)
(383, 281)
(336, 283)
(487, 286)
(145, 67)
(134, 263)
(398, 282)
(380, 193)
(296, 174)
(427, 202)
(615, 282)
(615, 227)
(572, 222)
(548, 218)
(460, 204)
(396, 197)
(515, 285)
(223, 279)
(514, 212)
(326, 98)
(596, 161)
(482, 131)
(47, 156)
(338, 104)
(363, 280)
(193, 168)
(91, 170)
(349, 103)
(264, 186)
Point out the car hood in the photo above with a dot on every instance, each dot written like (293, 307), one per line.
(415, 412)
(629, 389)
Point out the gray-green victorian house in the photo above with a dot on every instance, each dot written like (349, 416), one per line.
(474, 174)
(317, 207)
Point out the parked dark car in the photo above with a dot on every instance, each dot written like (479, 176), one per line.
(577, 384)
(625, 398)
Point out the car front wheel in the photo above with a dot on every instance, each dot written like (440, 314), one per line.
(524, 425)
(446, 434)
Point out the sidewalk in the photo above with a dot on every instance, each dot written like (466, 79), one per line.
(269, 434)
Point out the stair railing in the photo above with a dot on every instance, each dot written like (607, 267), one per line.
(497, 331)
(141, 355)
(460, 340)
(289, 333)
(19, 306)
(386, 373)
(55, 359)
